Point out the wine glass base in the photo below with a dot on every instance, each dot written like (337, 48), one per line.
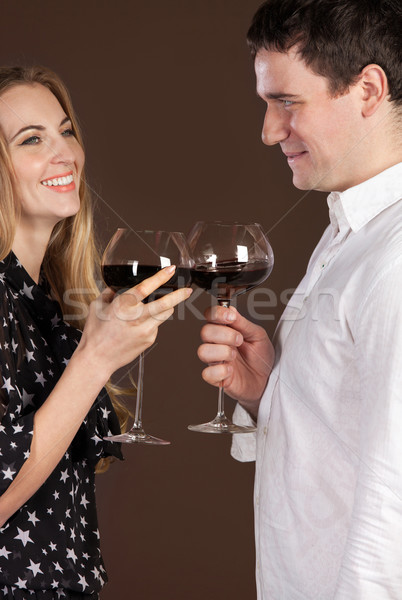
(137, 437)
(226, 426)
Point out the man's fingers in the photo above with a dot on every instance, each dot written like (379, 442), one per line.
(220, 334)
(213, 353)
(215, 374)
(230, 316)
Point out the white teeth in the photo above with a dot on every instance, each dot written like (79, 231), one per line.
(58, 181)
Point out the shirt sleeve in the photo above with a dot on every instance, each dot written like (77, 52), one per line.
(243, 444)
(372, 561)
(16, 408)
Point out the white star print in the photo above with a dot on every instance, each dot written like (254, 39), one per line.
(95, 572)
(8, 474)
(55, 321)
(52, 546)
(27, 291)
(72, 534)
(83, 582)
(57, 567)
(54, 584)
(27, 398)
(35, 568)
(64, 476)
(18, 428)
(7, 384)
(21, 583)
(96, 439)
(4, 552)
(62, 528)
(23, 536)
(71, 554)
(105, 412)
(84, 500)
(56, 495)
(33, 518)
(40, 378)
(29, 355)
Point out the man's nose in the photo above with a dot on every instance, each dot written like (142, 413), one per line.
(275, 128)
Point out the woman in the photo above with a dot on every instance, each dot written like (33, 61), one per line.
(54, 410)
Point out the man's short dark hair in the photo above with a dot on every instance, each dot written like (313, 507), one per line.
(335, 38)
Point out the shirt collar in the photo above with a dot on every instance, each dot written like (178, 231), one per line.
(360, 204)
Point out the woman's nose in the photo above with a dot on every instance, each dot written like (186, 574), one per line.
(275, 128)
(62, 152)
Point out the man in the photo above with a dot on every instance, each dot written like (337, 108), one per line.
(328, 394)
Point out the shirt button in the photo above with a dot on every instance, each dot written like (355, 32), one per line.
(265, 431)
(257, 501)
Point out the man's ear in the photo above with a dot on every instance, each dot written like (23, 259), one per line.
(374, 86)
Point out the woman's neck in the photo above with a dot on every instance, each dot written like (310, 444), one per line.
(30, 248)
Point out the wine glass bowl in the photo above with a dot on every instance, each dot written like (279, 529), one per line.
(129, 258)
(229, 259)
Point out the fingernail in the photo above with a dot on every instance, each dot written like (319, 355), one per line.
(230, 316)
(189, 291)
(171, 269)
(239, 339)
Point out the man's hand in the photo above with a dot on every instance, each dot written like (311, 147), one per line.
(239, 353)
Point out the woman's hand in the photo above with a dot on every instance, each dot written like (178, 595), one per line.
(120, 327)
(243, 352)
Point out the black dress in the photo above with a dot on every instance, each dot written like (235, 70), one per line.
(49, 548)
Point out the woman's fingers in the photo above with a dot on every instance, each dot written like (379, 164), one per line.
(149, 285)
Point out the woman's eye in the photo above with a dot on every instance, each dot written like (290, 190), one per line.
(68, 132)
(31, 141)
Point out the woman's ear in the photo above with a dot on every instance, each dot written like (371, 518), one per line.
(374, 86)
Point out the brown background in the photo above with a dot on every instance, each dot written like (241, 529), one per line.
(165, 93)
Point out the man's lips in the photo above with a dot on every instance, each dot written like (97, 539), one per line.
(293, 157)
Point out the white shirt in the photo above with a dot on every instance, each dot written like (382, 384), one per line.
(328, 487)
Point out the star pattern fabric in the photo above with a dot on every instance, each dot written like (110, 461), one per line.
(49, 548)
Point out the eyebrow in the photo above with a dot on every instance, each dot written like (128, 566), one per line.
(277, 96)
(37, 127)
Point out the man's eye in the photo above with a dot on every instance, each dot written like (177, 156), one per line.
(31, 141)
(68, 132)
(287, 102)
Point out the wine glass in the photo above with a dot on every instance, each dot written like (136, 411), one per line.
(130, 257)
(229, 259)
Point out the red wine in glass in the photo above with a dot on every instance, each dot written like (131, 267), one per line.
(130, 258)
(229, 259)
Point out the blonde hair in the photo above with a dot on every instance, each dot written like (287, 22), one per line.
(71, 262)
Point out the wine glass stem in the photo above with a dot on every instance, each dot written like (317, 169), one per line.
(138, 405)
(221, 395)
